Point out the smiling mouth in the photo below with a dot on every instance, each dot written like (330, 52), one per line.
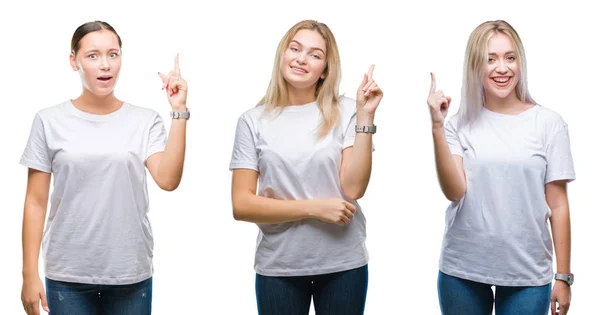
(501, 81)
(296, 69)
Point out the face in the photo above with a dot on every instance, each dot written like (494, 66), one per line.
(303, 62)
(502, 72)
(98, 61)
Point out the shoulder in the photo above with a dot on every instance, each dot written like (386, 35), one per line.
(54, 110)
(549, 116)
(347, 104)
(141, 112)
(253, 114)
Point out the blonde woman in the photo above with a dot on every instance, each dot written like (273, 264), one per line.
(98, 240)
(504, 162)
(311, 150)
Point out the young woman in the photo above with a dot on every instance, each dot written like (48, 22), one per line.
(312, 151)
(504, 162)
(98, 241)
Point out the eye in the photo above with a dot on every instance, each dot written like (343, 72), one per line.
(113, 55)
(315, 56)
(92, 56)
(491, 60)
(294, 49)
(512, 58)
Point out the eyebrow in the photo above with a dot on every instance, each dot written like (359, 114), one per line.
(312, 48)
(508, 52)
(98, 50)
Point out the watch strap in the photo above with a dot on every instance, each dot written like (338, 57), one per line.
(365, 129)
(180, 115)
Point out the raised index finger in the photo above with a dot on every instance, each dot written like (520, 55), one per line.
(177, 65)
(370, 73)
(432, 90)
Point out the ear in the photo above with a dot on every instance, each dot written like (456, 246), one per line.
(73, 61)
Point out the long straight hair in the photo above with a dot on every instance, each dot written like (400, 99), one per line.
(473, 94)
(277, 95)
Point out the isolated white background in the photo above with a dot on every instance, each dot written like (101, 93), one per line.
(203, 258)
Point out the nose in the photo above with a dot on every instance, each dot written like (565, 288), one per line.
(104, 64)
(501, 67)
(301, 59)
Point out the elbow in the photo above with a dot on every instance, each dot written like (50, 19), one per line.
(455, 196)
(169, 186)
(238, 212)
(353, 193)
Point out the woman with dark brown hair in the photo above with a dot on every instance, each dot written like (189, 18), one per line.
(98, 241)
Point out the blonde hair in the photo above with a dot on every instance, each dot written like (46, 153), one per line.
(326, 92)
(473, 95)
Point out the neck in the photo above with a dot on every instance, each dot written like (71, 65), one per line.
(97, 104)
(298, 96)
(510, 105)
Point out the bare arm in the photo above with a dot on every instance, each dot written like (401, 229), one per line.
(166, 167)
(247, 206)
(449, 167)
(450, 172)
(34, 215)
(560, 221)
(355, 170)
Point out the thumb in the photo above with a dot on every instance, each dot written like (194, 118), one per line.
(44, 302)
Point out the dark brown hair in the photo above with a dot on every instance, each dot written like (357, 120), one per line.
(87, 28)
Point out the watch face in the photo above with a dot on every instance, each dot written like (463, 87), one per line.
(571, 279)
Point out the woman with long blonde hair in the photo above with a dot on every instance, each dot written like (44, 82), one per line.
(311, 150)
(504, 162)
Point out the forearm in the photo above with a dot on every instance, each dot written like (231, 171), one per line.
(170, 169)
(263, 210)
(33, 227)
(561, 234)
(451, 181)
(357, 172)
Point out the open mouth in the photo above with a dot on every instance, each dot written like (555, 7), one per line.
(502, 81)
(298, 70)
(105, 78)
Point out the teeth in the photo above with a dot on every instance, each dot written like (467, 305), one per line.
(298, 69)
(501, 80)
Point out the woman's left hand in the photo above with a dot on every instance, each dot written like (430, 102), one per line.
(176, 87)
(368, 95)
(561, 294)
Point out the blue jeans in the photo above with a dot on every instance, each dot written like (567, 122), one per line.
(460, 296)
(340, 293)
(67, 298)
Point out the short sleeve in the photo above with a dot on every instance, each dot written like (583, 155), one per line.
(350, 133)
(157, 137)
(558, 155)
(451, 131)
(36, 155)
(244, 153)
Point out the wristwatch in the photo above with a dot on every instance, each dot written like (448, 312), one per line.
(365, 129)
(568, 278)
(181, 115)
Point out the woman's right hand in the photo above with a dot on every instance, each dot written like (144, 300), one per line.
(334, 210)
(438, 105)
(31, 294)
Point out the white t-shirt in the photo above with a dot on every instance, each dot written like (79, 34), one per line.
(293, 164)
(97, 230)
(498, 232)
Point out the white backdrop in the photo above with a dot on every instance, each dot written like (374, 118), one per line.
(203, 258)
